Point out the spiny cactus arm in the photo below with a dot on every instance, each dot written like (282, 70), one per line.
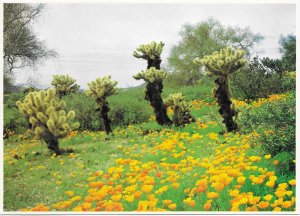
(64, 84)
(174, 99)
(46, 113)
(224, 62)
(207, 62)
(102, 87)
(151, 75)
(149, 51)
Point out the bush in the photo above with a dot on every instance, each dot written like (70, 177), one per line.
(276, 124)
(126, 108)
(13, 119)
(257, 80)
(84, 108)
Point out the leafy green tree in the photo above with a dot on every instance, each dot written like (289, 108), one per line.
(154, 79)
(202, 39)
(288, 50)
(273, 65)
(47, 117)
(181, 109)
(64, 85)
(100, 89)
(222, 64)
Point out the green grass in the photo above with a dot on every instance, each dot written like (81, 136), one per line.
(38, 177)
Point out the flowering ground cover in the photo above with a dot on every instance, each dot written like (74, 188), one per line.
(146, 167)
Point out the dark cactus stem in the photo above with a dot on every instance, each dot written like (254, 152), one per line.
(52, 144)
(29, 124)
(106, 121)
(223, 98)
(153, 95)
(154, 63)
(176, 117)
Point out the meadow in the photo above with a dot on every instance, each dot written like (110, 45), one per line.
(148, 167)
(212, 127)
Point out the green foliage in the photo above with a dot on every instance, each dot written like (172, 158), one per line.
(29, 89)
(129, 107)
(47, 114)
(149, 51)
(273, 65)
(203, 39)
(275, 123)
(285, 162)
(181, 109)
(223, 63)
(288, 81)
(288, 50)
(261, 81)
(64, 85)
(13, 119)
(151, 75)
(84, 108)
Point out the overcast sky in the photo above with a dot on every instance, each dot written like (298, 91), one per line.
(93, 40)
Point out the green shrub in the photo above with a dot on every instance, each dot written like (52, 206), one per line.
(257, 80)
(13, 119)
(84, 107)
(126, 108)
(276, 124)
(285, 162)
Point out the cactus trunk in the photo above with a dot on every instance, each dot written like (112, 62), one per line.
(154, 63)
(223, 98)
(52, 143)
(153, 95)
(105, 118)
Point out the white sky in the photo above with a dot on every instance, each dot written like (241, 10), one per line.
(93, 40)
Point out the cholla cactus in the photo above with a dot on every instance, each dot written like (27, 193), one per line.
(64, 84)
(150, 52)
(151, 75)
(99, 90)
(47, 117)
(154, 78)
(221, 64)
(181, 109)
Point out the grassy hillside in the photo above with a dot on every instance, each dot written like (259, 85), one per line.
(146, 167)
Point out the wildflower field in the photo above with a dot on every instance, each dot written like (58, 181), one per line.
(147, 167)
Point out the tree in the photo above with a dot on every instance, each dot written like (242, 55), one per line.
(202, 39)
(47, 117)
(181, 109)
(272, 65)
(154, 78)
(100, 89)
(222, 64)
(64, 85)
(288, 50)
(21, 46)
